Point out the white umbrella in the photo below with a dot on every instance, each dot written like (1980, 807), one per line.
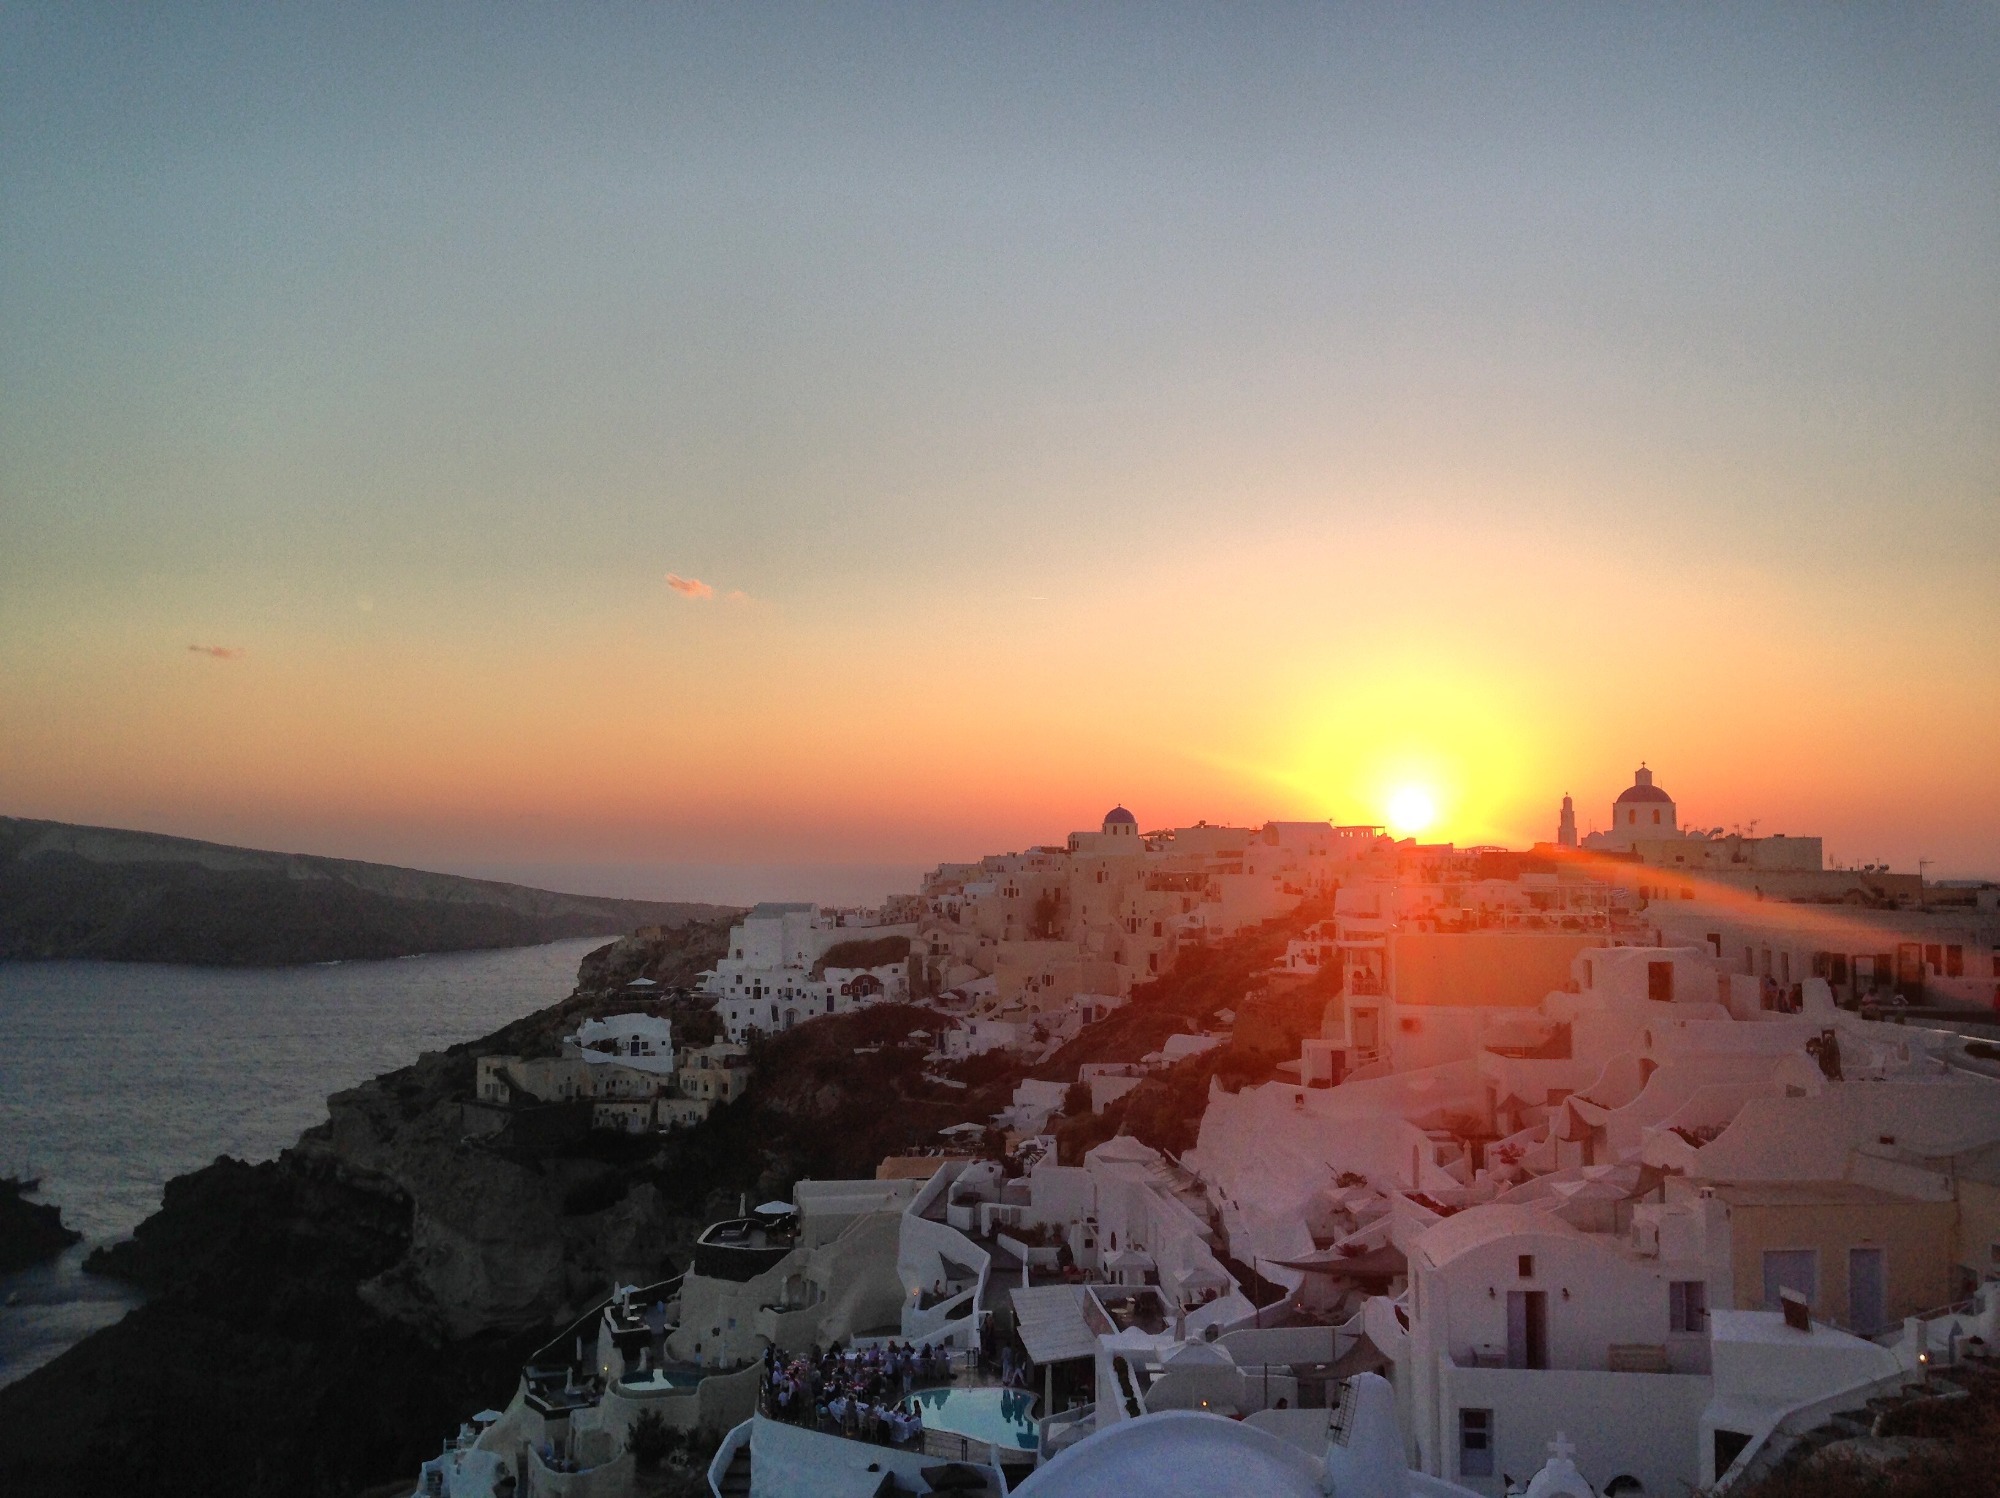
(485, 1417)
(776, 1209)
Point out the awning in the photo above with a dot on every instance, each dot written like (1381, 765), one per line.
(1363, 1357)
(1378, 1263)
(1051, 1324)
(1202, 1274)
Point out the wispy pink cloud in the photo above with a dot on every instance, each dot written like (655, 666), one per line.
(689, 587)
(220, 652)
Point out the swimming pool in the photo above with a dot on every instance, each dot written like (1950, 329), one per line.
(999, 1417)
(658, 1380)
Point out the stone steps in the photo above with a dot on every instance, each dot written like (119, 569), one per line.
(736, 1478)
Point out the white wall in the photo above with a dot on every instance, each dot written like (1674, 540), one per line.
(1647, 1425)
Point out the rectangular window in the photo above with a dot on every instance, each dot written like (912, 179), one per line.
(1526, 1265)
(1660, 982)
(1687, 1306)
(1475, 1443)
(1954, 962)
(1790, 1269)
(1934, 956)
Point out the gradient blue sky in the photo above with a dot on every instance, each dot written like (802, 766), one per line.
(1237, 412)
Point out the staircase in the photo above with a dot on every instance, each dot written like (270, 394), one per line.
(736, 1479)
(1862, 1422)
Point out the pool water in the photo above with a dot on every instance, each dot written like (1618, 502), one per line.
(663, 1378)
(999, 1417)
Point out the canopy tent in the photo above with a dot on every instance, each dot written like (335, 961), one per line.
(1363, 1357)
(1202, 1277)
(1377, 1263)
(1050, 1320)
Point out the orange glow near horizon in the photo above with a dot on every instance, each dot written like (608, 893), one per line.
(642, 727)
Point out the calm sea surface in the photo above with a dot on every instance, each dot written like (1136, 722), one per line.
(115, 1077)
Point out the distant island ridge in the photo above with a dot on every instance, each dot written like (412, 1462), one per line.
(69, 891)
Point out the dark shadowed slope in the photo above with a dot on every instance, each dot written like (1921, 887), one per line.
(68, 891)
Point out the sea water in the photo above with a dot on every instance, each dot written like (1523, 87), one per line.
(115, 1077)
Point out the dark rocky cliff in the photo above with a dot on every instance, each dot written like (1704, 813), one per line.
(68, 891)
(319, 1320)
(30, 1232)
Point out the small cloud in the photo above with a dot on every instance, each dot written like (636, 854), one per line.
(220, 652)
(689, 587)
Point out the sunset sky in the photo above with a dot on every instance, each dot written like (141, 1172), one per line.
(746, 452)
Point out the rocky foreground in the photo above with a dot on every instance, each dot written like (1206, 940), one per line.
(318, 1322)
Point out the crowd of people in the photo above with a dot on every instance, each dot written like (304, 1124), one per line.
(864, 1394)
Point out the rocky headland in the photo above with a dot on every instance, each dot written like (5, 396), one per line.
(30, 1232)
(70, 891)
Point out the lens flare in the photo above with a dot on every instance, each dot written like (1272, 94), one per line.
(1411, 810)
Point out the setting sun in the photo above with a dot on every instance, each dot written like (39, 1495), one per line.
(1411, 810)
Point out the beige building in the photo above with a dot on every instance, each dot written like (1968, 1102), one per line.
(1863, 1257)
(508, 1080)
(1976, 1248)
(623, 1115)
(714, 1074)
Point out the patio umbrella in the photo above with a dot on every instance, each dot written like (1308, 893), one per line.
(776, 1209)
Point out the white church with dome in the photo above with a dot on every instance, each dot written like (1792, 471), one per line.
(1643, 813)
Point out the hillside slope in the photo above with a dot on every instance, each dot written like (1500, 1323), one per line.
(69, 891)
(317, 1321)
